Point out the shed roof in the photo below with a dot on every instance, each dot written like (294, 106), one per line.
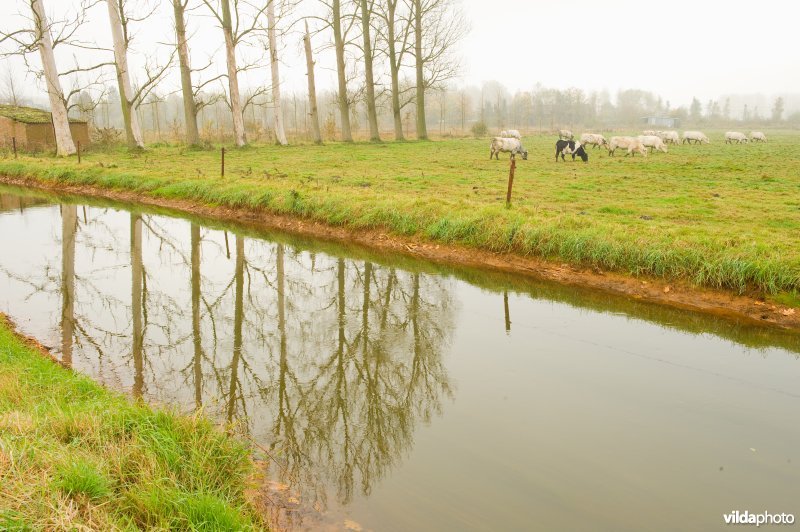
(29, 115)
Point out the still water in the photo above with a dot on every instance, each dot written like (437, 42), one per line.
(402, 395)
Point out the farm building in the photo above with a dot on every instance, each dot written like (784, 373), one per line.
(33, 128)
(661, 121)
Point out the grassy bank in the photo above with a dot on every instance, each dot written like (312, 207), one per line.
(718, 215)
(75, 456)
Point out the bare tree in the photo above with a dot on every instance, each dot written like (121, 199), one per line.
(394, 34)
(438, 26)
(235, 34)
(11, 92)
(312, 89)
(39, 38)
(189, 105)
(339, 42)
(119, 32)
(366, 7)
(280, 134)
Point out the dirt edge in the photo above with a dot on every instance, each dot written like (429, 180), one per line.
(676, 293)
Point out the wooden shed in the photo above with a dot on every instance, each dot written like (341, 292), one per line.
(33, 128)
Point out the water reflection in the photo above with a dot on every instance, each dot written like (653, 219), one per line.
(334, 362)
(330, 363)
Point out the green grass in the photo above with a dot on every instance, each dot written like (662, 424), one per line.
(74, 455)
(717, 215)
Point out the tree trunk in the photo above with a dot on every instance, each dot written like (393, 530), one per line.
(133, 132)
(64, 144)
(280, 133)
(344, 108)
(312, 89)
(422, 128)
(394, 67)
(372, 113)
(189, 105)
(233, 79)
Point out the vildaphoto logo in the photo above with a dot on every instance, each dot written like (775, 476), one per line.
(765, 518)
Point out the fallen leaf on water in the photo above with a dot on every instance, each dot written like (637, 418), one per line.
(759, 303)
(752, 449)
(667, 289)
(788, 312)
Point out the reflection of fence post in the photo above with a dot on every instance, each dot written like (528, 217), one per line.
(511, 179)
(14, 145)
(222, 172)
(508, 314)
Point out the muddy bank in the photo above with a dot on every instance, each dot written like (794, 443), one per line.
(680, 294)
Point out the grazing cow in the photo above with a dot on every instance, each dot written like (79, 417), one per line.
(669, 137)
(510, 134)
(653, 141)
(696, 136)
(631, 144)
(570, 147)
(512, 146)
(648, 132)
(757, 136)
(735, 136)
(594, 139)
(565, 134)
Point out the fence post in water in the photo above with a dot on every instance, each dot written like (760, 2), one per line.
(511, 179)
(222, 172)
(14, 145)
(79, 152)
(508, 314)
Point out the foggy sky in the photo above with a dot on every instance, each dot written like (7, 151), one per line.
(677, 48)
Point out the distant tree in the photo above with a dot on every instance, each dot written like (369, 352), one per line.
(745, 114)
(777, 109)
(695, 110)
(726, 110)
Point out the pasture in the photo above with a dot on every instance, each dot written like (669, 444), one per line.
(718, 215)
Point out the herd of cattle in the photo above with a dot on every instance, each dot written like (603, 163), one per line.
(510, 141)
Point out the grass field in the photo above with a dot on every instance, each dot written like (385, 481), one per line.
(718, 215)
(74, 456)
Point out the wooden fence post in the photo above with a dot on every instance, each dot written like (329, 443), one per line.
(79, 152)
(222, 172)
(14, 145)
(511, 179)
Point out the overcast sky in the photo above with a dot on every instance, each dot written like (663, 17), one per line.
(676, 48)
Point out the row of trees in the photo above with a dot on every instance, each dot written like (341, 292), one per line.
(411, 35)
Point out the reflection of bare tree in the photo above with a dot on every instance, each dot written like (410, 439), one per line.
(197, 340)
(137, 278)
(338, 361)
(69, 227)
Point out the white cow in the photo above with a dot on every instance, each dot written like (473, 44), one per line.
(695, 136)
(510, 134)
(758, 136)
(565, 134)
(507, 145)
(669, 137)
(632, 144)
(735, 136)
(653, 141)
(595, 139)
(648, 133)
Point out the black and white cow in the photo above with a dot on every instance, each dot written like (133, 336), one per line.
(570, 147)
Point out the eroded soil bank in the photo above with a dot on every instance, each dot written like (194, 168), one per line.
(753, 308)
